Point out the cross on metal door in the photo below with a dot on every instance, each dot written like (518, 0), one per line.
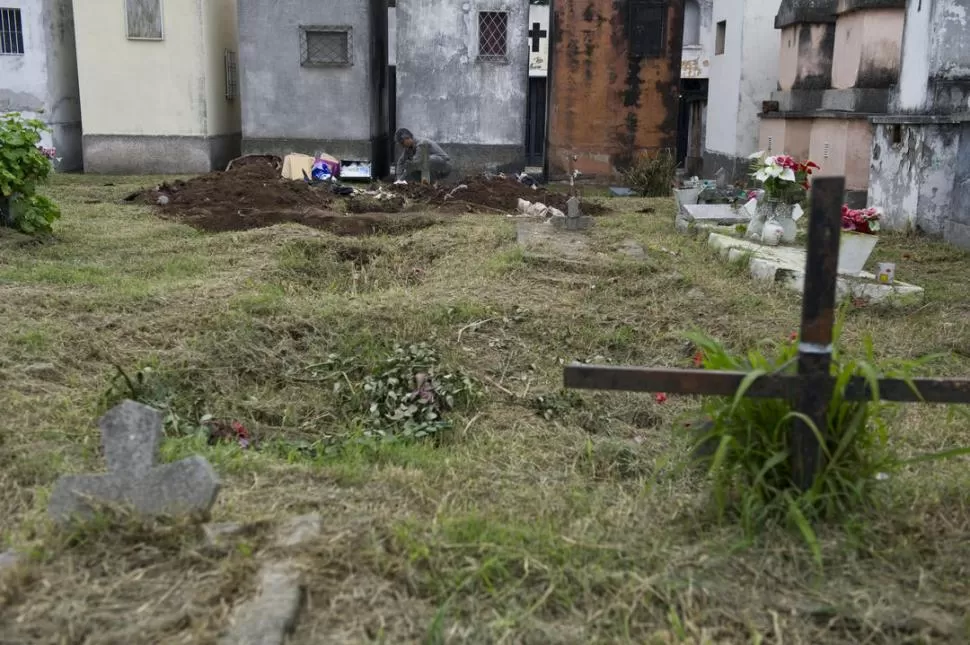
(535, 137)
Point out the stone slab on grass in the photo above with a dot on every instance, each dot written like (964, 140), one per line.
(268, 618)
(785, 265)
(299, 530)
(700, 216)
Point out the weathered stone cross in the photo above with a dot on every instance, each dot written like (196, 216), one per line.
(811, 387)
(131, 434)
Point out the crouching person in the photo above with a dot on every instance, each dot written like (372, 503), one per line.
(409, 164)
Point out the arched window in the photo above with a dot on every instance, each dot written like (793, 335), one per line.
(692, 23)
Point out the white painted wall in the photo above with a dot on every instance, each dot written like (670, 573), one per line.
(221, 33)
(139, 87)
(723, 95)
(695, 60)
(42, 83)
(915, 69)
(760, 49)
(23, 79)
(743, 76)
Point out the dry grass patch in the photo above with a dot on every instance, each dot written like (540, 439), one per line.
(540, 517)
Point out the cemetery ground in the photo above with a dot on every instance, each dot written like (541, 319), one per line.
(542, 516)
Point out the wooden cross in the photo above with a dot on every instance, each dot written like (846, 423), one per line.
(811, 387)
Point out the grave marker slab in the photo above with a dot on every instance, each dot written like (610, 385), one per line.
(131, 434)
(574, 220)
(693, 216)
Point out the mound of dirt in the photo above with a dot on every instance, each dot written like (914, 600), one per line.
(251, 183)
(496, 194)
(336, 223)
(252, 194)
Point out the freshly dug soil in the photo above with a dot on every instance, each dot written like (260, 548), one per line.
(252, 183)
(495, 194)
(336, 223)
(252, 194)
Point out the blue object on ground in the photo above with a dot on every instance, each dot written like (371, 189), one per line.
(619, 191)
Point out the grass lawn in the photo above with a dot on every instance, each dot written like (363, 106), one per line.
(541, 517)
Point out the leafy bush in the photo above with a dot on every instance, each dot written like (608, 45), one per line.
(23, 168)
(747, 446)
(406, 396)
(652, 173)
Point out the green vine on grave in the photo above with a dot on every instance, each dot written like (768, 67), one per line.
(24, 167)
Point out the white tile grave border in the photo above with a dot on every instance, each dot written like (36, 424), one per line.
(785, 265)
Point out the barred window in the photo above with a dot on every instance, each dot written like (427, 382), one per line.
(232, 78)
(11, 32)
(493, 36)
(648, 28)
(143, 19)
(326, 46)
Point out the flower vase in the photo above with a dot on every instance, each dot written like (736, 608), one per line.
(779, 215)
(772, 233)
(854, 251)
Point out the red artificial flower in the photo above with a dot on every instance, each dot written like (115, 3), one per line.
(812, 164)
(242, 435)
(864, 220)
(661, 397)
(698, 359)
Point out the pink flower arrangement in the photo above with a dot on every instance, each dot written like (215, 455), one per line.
(50, 153)
(781, 173)
(862, 220)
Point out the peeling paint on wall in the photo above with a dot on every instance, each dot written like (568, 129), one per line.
(912, 173)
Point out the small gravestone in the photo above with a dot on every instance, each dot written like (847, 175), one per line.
(574, 220)
(131, 434)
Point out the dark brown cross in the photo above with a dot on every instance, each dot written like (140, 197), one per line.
(537, 33)
(811, 387)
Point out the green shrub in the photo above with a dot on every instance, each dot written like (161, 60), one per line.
(23, 168)
(747, 445)
(652, 173)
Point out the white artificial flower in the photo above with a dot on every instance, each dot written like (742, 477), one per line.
(771, 161)
(757, 155)
(788, 174)
(774, 171)
(761, 175)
